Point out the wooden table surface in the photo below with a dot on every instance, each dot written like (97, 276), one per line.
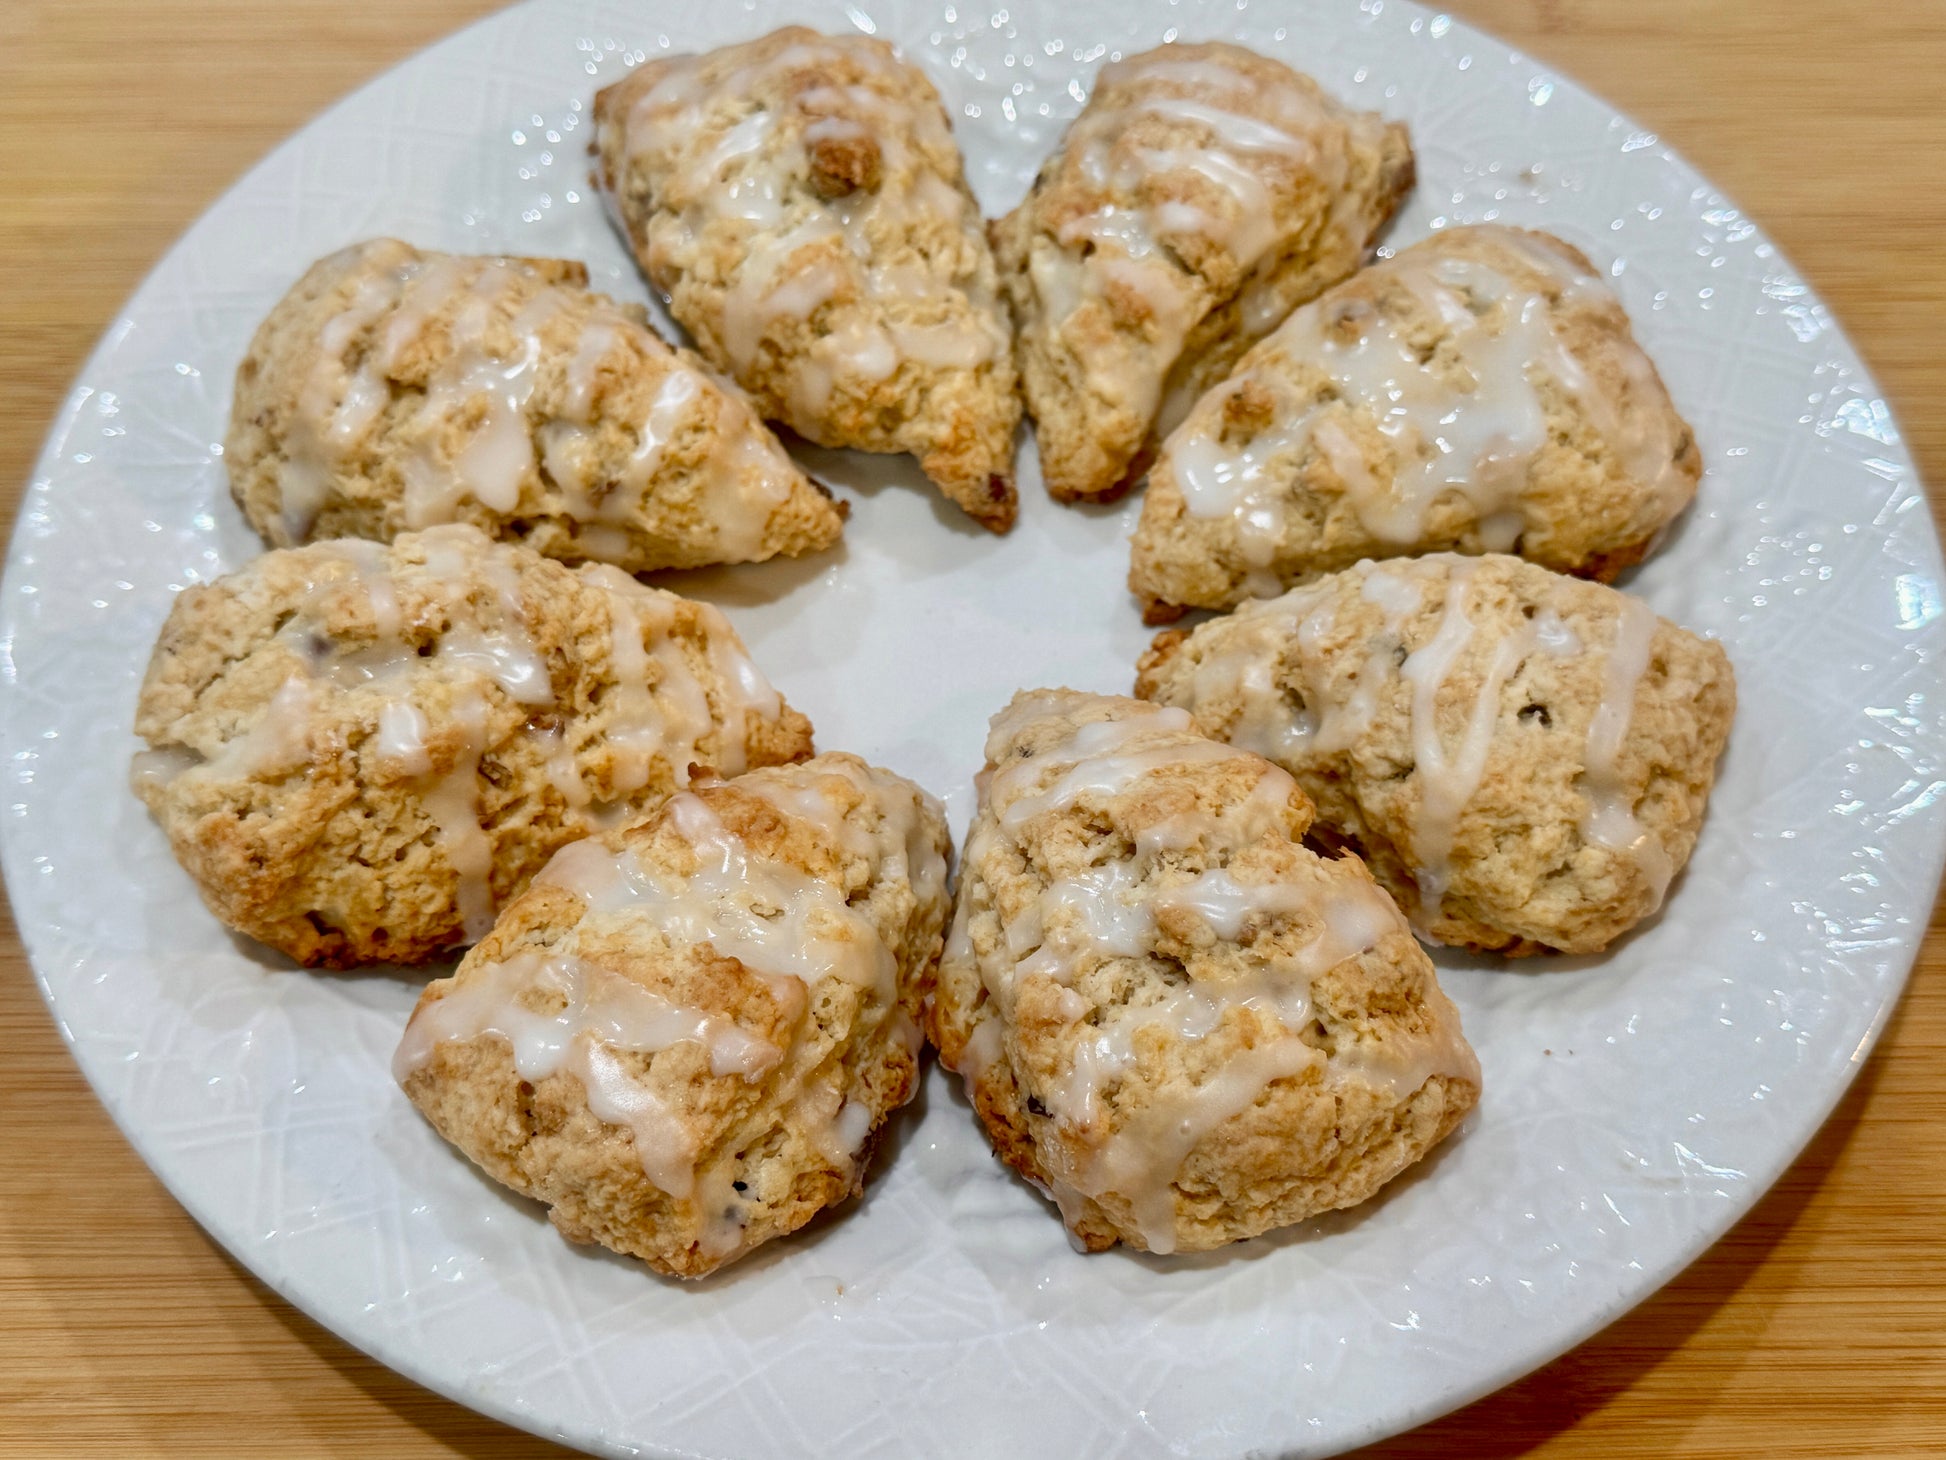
(1816, 1328)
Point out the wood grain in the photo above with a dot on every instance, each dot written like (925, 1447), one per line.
(1817, 1328)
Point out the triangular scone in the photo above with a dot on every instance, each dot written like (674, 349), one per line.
(393, 389)
(687, 1037)
(1202, 194)
(1479, 392)
(1171, 1015)
(358, 751)
(1522, 758)
(800, 202)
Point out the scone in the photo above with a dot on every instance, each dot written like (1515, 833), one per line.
(800, 202)
(1171, 1015)
(1522, 759)
(1202, 194)
(1479, 392)
(393, 389)
(687, 1036)
(359, 752)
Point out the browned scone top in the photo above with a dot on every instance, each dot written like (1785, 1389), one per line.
(1184, 1025)
(686, 1037)
(1203, 193)
(358, 751)
(395, 389)
(1522, 758)
(801, 203)
(1479, 392)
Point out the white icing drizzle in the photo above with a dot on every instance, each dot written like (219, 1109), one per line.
(671, 715)
(1445, 782)
(902, 842)
(336, 406)
(485, 639)
(278, 741)
(1098, 771)
(1555, 635)
(942, 346)
(504, 653)
(743, 481)
(494, 645)
(501, 651)
(563, 1014)
(842, 1135)
(1477, 442)
(1218, 479)
(1226, 904)
(776, 919)
(1232, 156)
(1099, 909)
(746, 694)
(491, 394)
(793, 929)
(985, 1047)
(1145, 1154)
(1256, 644)
(1282, 727)
(1610, 820)
(1142, 1155)
(795, 252)
(637, 731)
(1257, 639)
(159, 768)
(1640, 430)
(453, 803)
(1079, 922)
(670, 722)
(836, 1127)
(497, 458)
(402, 736)
(564, 772)
(564, 442)
(1235, 159)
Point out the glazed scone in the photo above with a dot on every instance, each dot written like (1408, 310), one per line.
(1523, 759)
(1479, 392)
(358, 752)
(686, 1037)
(1202, 194)
(801, 204)
(393, 389)
(1171, 1015)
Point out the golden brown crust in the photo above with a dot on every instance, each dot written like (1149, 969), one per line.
(801, 203)
(326, 724)
(1283, 471)
(1170, 1013)
(752, 1132)
(1204, 192)
(394, 389)
(1318, 681)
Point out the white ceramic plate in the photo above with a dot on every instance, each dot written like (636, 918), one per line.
(1635, 1104)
